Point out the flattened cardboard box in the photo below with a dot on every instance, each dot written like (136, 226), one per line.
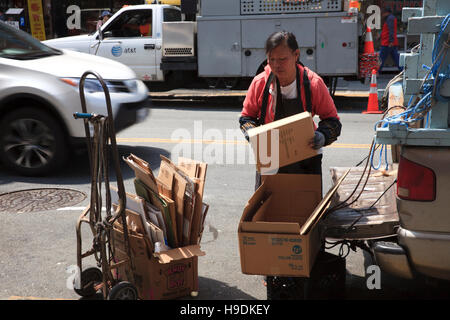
(277, 233)
(282, 142)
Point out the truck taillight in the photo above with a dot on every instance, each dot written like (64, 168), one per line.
(415, 182)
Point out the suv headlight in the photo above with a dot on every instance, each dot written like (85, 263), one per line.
(90, 85)
(132, 85)
(94, 85)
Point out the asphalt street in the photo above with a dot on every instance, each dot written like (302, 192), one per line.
(39, 247)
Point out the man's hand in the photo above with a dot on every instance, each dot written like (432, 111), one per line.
(245, 127)
(318, 141)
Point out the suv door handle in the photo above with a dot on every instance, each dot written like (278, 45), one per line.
(149, 46)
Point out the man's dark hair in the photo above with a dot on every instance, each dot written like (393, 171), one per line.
(280, 37)
(388, 9)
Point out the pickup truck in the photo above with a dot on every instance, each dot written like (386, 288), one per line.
(120, 39)
(408, 233)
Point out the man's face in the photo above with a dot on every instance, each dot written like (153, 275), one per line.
(282, 60)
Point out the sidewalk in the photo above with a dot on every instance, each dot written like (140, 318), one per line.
(354, 89)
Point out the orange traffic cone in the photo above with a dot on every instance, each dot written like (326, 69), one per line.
(368, 44)
(372, 105)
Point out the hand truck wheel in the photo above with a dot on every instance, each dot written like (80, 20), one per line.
(123, 291)
(89, 279)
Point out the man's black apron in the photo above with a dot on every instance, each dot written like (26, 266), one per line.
(286, 108)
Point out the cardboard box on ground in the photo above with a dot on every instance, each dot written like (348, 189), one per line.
(165, 222)
(278, 232)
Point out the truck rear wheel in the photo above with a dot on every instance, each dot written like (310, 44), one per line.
(213, 83)
(230, 83)
(175, 79)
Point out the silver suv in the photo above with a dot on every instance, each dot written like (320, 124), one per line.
(39, 94)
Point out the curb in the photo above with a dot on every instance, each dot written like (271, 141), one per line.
(205, 94)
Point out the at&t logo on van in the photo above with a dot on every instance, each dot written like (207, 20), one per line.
(116, 51)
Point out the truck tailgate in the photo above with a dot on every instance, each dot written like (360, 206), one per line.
(363, 219)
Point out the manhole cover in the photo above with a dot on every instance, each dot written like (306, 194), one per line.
(39, 200)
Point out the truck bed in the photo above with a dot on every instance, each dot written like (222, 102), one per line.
(367, 218)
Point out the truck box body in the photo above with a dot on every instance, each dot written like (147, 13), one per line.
(328, 42)
(231, 36)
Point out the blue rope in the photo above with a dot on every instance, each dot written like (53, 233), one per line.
(424, 104)
(422, 108)
(372, 151)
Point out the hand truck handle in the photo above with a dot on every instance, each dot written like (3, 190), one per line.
(82, 115)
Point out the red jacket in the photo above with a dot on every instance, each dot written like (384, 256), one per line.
(389, 31)
(322, 103)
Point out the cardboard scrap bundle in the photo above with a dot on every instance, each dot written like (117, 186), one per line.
(171, 205)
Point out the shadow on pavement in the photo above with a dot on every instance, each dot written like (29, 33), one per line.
(394, 288)
(209, 289)
(77, 169)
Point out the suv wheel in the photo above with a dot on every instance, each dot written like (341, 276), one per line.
(32, 142)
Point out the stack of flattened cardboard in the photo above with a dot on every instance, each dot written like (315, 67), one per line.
(166, 215)
(174, 197)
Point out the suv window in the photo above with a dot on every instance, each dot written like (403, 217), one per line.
(171, 15)
(131, 23)
(17, 44)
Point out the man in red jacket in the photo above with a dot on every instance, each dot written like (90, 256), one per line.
(389, 41)
(285, 88)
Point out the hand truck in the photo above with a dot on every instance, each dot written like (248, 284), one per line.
(104, 139)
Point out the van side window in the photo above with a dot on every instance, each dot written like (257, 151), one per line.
(132, 23)
(171, 15)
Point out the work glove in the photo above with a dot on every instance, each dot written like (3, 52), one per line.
(318, 141)
(245, 127)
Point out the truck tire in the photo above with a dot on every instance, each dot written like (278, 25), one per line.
(213, 83)
(175, 80)
(32, 142)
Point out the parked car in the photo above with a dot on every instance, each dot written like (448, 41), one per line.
(39, 93)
